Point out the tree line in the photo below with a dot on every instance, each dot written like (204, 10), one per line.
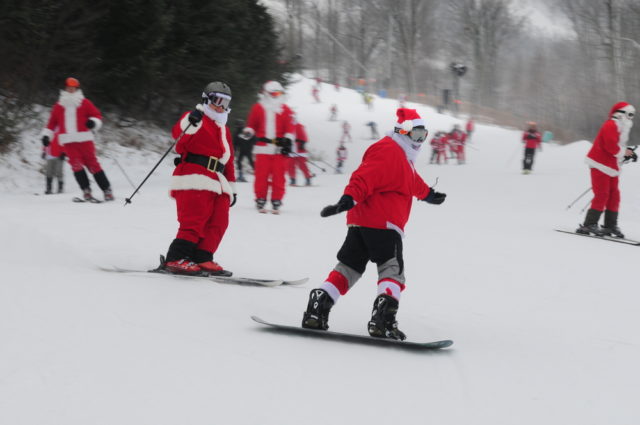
(567, 82)
(143, 59)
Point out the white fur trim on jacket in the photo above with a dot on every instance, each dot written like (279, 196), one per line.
(78, 136)
(607, 170)
(201, 182)
(98, 123)
(185, 124)
(46, 132)
(269, 149)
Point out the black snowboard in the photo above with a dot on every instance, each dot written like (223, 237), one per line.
(362, 339)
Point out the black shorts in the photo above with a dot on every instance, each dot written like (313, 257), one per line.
(364, 244)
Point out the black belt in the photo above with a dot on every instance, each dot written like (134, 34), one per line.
(211, 163)
(266, 140)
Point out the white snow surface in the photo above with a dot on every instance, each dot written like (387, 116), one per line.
(544, 324)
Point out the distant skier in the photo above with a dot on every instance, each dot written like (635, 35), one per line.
(609, 150)
(299, 157)
(374, 130)
(202, 183)
(315, 93)
(379, 205)
(243, 147)
(346, 132)
(75, 119)
(457, 139)
(532, 140)
(341, 157)
(469, 128)
(271, 122)
(333, 112)
(54, 167)
(439, 145)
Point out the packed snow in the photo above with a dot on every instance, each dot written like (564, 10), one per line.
(544, 324)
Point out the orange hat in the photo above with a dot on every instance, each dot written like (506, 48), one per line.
(72, 82)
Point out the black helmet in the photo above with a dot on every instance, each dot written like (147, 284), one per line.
(217, 93)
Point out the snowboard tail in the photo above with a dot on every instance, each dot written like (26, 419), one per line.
(348, 337)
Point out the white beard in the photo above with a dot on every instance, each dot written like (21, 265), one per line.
(219, 117)
(71, 100)
(624, 125)
(272, 104)
(410, 148)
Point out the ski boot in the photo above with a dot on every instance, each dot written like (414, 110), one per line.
(292, 182)
(318, 308)
(276, 206)
(182, 267)
(213, 269)
(87, 196)
(260, 203)
(108, 195)
(48, 188)
(590, 225)
(610, 227)
(308, 183)
(383, 322)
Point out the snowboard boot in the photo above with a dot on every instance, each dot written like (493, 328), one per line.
(48, 188)
(318, 308)
(276, 206)
(590, 225)
(610, 227)
(383, 322)
(260, 203)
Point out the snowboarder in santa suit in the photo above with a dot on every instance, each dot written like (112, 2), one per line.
(75, 119)
(378, 206)
(609, 150)
(203, 183)
(271, 122)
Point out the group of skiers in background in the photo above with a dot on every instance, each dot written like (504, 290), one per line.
(378, 204)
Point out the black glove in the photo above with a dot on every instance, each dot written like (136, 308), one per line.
(177, 160)
(90, 124)
(633, 157)
(63, 156)
(285, 145)
(344, 204)
(44, 155)
(195, 117)
(435, 197)
(233, 202)
(45, 141)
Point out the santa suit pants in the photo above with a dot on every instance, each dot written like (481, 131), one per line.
(442, 154)
(606, 194)
(203, 216)
(82, 154)
(301, 163)
(270, 173)
(363, 244)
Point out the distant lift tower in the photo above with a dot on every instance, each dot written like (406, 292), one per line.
(458, 70)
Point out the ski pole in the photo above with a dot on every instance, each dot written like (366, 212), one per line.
(585, 206)
(579, 197)
(309, 161)
(128, 200)
(123, 172)
(328, 165)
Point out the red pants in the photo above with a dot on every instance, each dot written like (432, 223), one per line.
(606, 194)
(269, 172)
(203, 217)
(301, 163)
(82, 154)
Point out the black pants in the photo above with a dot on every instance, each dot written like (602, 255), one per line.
(528, 158)
(240, 155)
(364, 244)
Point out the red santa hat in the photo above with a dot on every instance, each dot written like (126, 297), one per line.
(622, 106)
(408, 119)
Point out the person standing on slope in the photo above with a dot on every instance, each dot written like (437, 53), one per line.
(271, 122)
(378, 205)
(609, 150)
(75, 119)
(203, 183)
(532, 140)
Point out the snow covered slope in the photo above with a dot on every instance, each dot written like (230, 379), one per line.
(544, 324)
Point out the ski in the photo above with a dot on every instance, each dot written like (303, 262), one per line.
(216, 278)
(347, 337)
(606, 238)
(89, 201)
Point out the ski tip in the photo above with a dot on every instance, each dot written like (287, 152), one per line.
(296, 282)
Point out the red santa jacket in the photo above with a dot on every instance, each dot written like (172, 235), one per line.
(608, 147)
(69, 118)
(301, 140)
(208, 138)
(469, 126)
(266, 123)
(383, 188)
(531, 139)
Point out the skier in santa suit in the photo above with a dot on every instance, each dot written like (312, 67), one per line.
(379, 204)
(271, 122)
(532, 140)
(203, 183)
(75, 119)
(299, 156)
(609, 150)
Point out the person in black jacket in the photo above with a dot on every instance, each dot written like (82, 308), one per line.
(243, 148)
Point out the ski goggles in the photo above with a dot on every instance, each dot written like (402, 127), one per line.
(629, 114)
(217, 99)
(418, 134)
(276, 94)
